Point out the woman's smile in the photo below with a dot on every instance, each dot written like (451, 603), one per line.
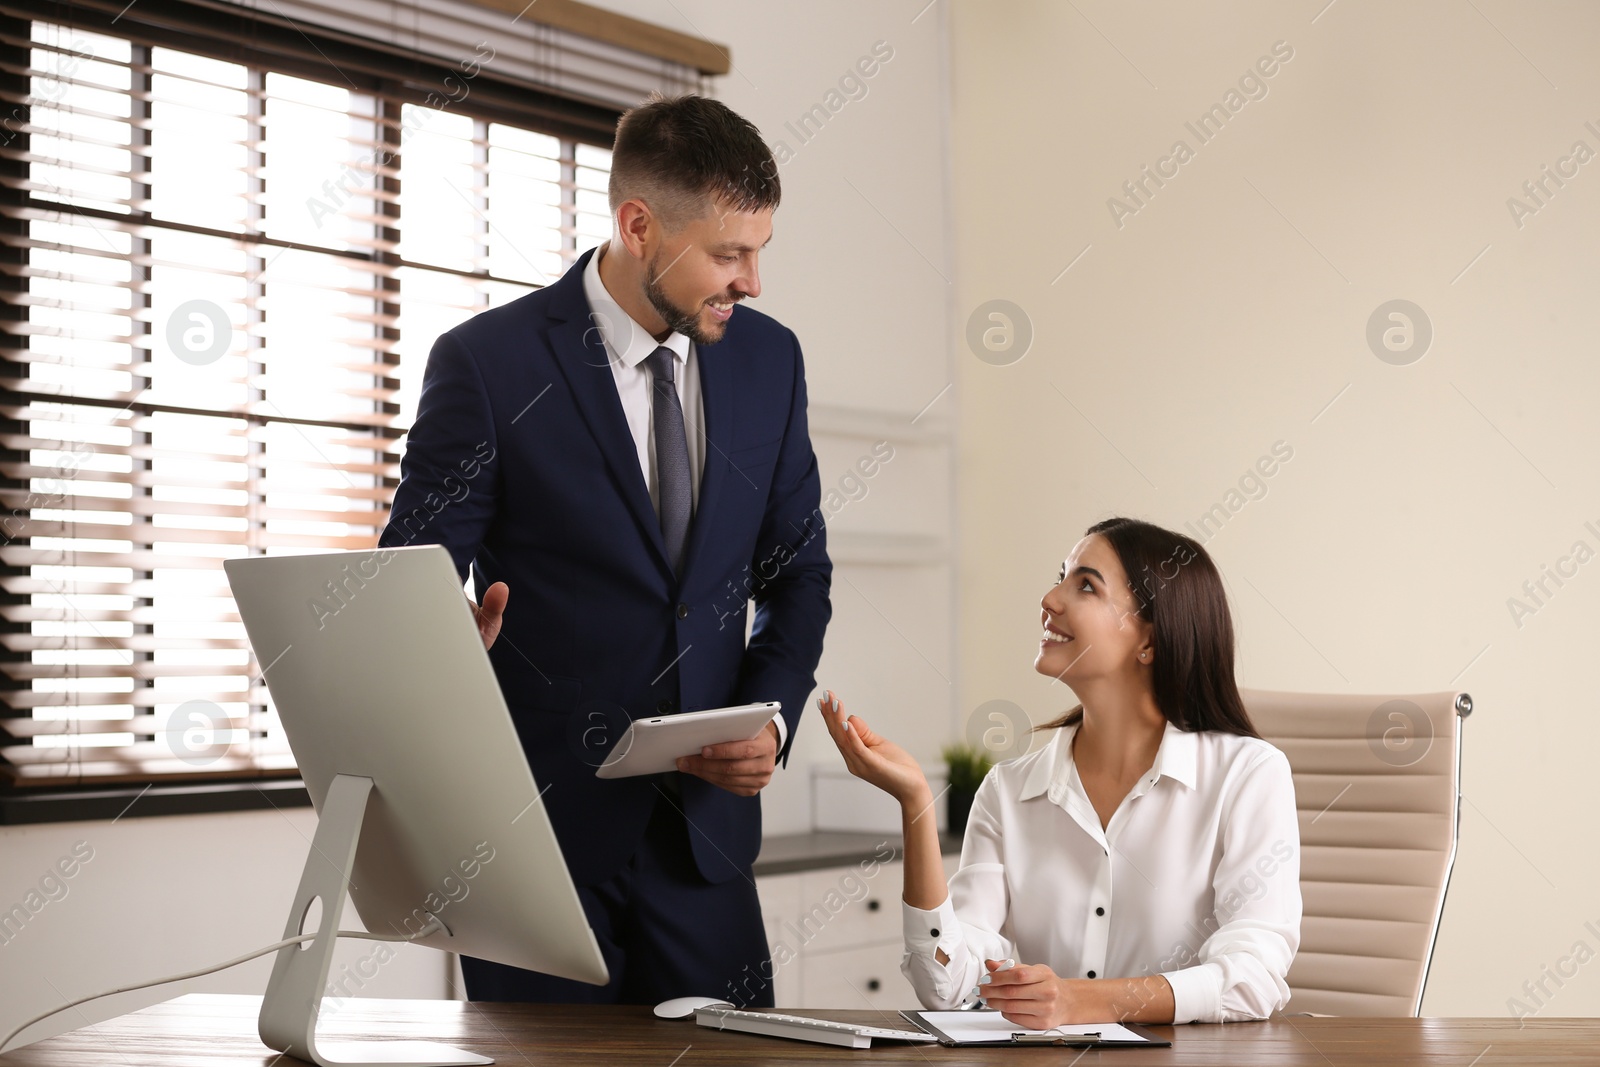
(1053, 636)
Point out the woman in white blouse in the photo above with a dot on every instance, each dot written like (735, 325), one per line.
(1144, 864)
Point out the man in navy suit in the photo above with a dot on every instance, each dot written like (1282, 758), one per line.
(622, 457)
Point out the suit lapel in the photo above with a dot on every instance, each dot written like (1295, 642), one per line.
(716, 398)
(581, 355)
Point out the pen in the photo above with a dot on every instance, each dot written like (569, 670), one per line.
(974, 998)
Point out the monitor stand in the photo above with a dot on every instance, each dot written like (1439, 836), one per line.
(289, 1011)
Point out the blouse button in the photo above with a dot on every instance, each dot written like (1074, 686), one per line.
(1099, 911)
(934, 932)
(1091, 974)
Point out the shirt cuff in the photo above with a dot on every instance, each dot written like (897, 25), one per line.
(926, 931)
(783, 730)
(1196, 993)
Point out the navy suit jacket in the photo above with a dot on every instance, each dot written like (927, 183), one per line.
(521, 464)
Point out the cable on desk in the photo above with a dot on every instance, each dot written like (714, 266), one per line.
(434, 925)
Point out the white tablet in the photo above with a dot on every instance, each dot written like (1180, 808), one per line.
(651, 746)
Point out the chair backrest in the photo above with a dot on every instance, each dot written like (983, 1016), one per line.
(1377, 780)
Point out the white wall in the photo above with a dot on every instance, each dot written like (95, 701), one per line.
(1230, 311)
(861, 268)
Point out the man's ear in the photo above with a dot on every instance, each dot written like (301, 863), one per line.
(638, 227)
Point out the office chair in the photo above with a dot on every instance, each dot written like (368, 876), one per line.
(1377, 780)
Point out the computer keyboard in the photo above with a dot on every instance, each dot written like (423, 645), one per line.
(825, 1031)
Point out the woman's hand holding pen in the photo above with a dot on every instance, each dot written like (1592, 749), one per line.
(874, 758)
(1036, 997)
(1030, 996)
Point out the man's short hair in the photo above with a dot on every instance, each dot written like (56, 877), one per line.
(678, 154)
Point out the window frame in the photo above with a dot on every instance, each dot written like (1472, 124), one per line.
(263, 44)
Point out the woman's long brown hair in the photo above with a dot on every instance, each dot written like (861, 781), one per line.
(1180, 594)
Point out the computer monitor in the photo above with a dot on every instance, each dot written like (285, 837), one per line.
(427, 809)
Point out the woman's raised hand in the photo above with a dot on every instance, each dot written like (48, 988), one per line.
(874, 758)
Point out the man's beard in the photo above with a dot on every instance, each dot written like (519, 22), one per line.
(676, 318)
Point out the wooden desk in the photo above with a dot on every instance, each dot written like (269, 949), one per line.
(216, 1029)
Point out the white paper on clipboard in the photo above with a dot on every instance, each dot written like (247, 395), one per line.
(964, 1027)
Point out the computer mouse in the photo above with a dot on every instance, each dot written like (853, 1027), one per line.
(683, 1007)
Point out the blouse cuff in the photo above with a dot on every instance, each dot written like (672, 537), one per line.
(926, 931)
(1196, 993)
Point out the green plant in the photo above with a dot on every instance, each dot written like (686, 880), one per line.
(967, 766)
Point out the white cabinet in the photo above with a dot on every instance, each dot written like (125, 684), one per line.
(835, 936)
(858, 978)
(780, 902)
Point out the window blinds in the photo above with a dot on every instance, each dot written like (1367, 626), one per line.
(219, 283)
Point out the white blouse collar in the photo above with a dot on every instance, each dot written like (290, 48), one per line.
(1176, 759)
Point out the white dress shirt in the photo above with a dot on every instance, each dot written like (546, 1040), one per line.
(1196, 877)
(627, 346)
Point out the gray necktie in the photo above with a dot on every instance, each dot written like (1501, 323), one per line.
(674, 499)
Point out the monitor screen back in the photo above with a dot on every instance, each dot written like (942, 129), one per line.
(376, 668)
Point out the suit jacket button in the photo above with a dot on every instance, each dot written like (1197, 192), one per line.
(683, 611)
(667, 707)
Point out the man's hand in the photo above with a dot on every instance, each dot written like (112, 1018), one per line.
(489, 615)
(741, 767)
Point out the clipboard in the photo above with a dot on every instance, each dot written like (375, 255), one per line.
(974, 1029)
